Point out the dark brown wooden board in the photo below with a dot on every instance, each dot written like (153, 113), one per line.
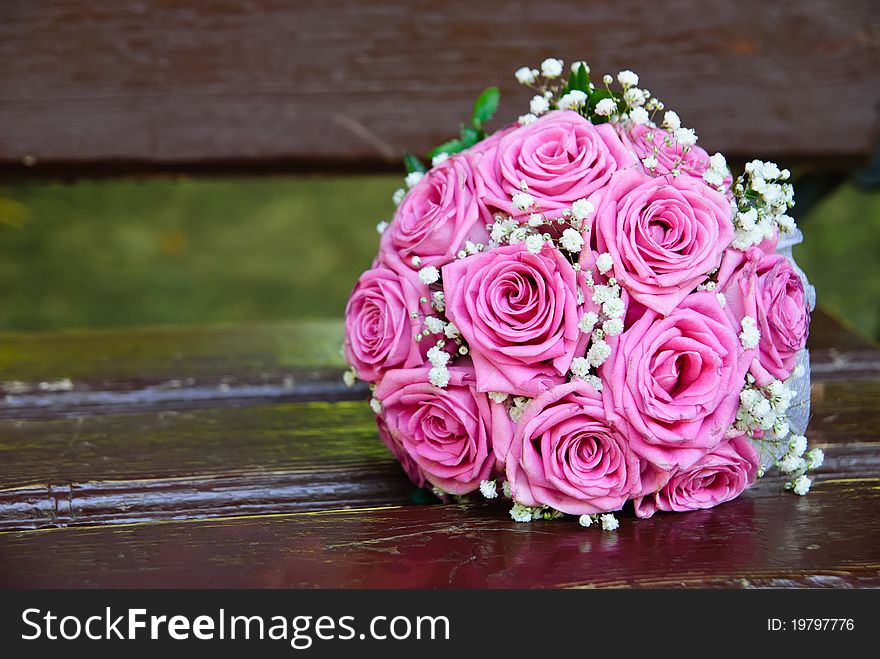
(121, 468)
(100, 86)
(232, 438)
(764, 538)
(80, 372)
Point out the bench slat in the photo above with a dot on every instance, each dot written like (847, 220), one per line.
(94, 372)
(126, 85)
(763, 538)
(118, 468)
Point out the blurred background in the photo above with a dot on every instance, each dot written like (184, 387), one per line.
(170, 250)
(186, 162)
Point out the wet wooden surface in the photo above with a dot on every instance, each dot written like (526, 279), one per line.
(115, 473)
(110, 86)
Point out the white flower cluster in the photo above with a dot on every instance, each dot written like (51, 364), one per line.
(609, 322)
(764, 410)
(762, 198)
(797, 461)
(607, 520)
(763, 415)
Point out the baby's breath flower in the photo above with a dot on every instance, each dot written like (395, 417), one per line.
(594, 381)
(613, 308)
(639, 116)
(526, 119)
(791, 464)
(588, 322)
(488, 490)
(609, 522)
(451, 331)
(650, 161)
(685, 136)
(413, 178)
(398, 196)
(526, 75)
(606, 107)
(429, 274)
(438, 302)
(437, 356)
(797, 445)
(580, 367)
(585, 521)
(520, 513)
(380, 228)
(801, 485)
(376, 405)
(577, 65)
(571, 240)
(434, 325)
(551, 67)
(439, 376)
(815, 458)
(505, 489)
(497, 396)
(671, 121)
(582, 209)
(349, 378)
(750, 335)
(722, 299)
(627, 79)
(572, 100)
(539, 105)
(597, 354)
(439, 158)
(607, 79)
(523, 200)
(534, 243)
(612, 326)
(634, 97)
(604, 262)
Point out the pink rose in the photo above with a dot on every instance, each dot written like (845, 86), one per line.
(519, 314)
(410, 467)
(664, 234)
(562, 157)
(448, 433)
(719, 476)
(568, 454)
(436, 217)
(670, 155)
(765, 286)
(676, 381)
(378, 328)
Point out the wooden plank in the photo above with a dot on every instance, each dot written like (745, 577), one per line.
(119, 468)
(830, 538)
(103, 85)
(206, 463)
(80, 372)
(170, 368)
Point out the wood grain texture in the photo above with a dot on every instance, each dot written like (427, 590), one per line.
(234, 436)
(189, 84)
(93, 372)
(764, 538)
(118, 468)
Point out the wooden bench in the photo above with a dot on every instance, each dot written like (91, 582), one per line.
(234, 455)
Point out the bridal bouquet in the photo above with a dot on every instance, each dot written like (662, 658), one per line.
(584, 309)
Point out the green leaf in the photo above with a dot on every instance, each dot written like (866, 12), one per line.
(486, 106)
(583, 79)
(470, 136)
(450, 147)
(413, 164)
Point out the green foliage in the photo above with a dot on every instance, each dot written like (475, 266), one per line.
(484, 109)
(413, 164)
